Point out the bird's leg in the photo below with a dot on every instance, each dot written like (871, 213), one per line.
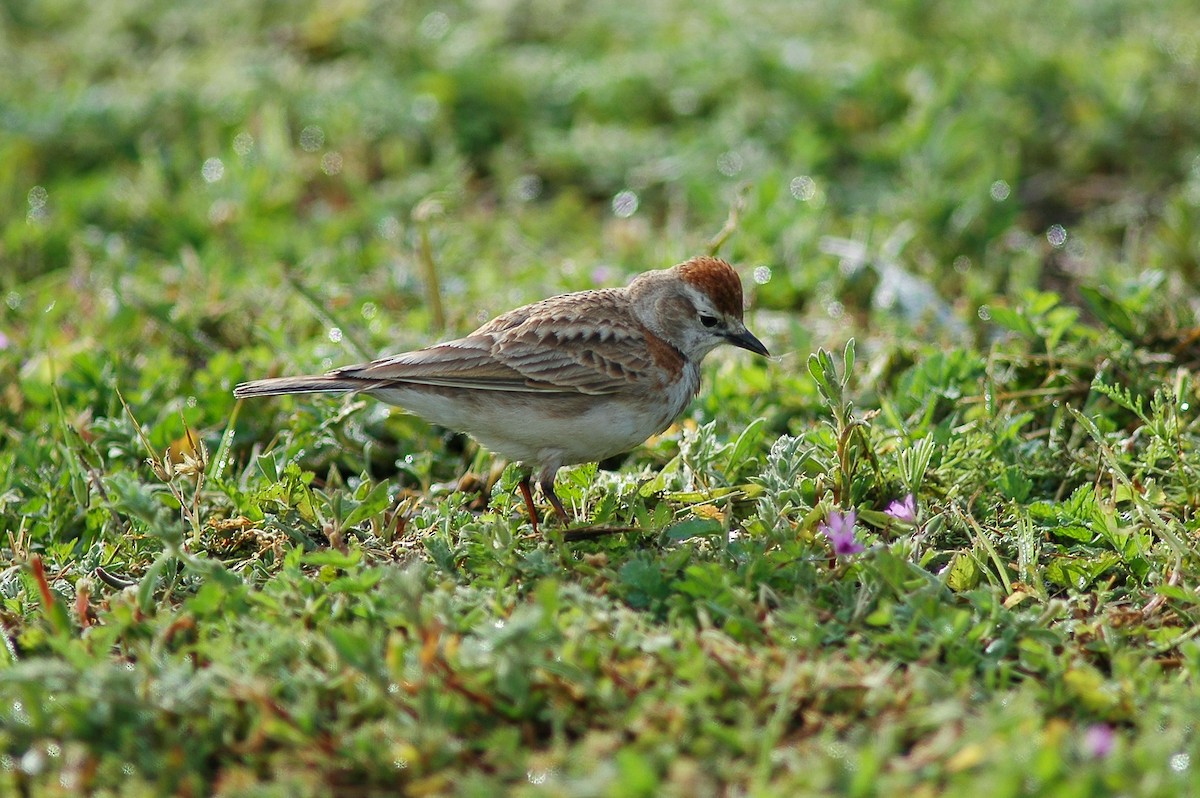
(527, 495)
(547, 485)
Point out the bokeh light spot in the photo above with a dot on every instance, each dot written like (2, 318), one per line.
(1056, 235)
(730, 163)
(435, 25)
(243, 144)
(803, 188)
(527, 187)
(388, 228)
(312, 138)
(331, 163)
(212, 170)
(624, 204)
(425, 107)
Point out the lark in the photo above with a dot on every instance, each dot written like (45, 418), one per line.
(575, 378)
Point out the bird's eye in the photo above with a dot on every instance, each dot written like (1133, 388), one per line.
(709, 321)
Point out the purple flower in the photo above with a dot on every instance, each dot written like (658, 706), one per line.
(839, 528)
(1099, 740)
(603, 274)
(904, 509)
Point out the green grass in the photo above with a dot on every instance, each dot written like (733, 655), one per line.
(319, 596)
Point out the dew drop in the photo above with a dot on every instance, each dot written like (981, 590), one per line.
(730, 163)
(425, 107)
(1056, 235)
(312, 138)
(331, 163)
(212, 170)
(222, 211)
(243, 143)
(527, 187)
(33, 762)
(796, 54)
(684, 101)
(625, 204)
(388, 228)
(803, 188)
(435, 25)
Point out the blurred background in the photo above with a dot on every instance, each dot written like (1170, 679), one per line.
(981, 149)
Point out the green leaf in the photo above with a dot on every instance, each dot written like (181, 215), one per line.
(1078, 573)
(1012, 320)
(353, 646)
(149, 581)
(1111, 312)
(694, 528)
(355, 583)
(376, 501)
(1014, 484)
(332, 558)
(1181, 594)
(267, 465)
(963, 573)
(741, 456)
(637, 777)
(207, 600)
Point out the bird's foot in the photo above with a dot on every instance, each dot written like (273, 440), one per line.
(547, 486)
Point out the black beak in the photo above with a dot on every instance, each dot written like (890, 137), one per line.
(746, 340)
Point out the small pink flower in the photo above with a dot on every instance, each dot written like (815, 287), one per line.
(603, 274)
(1099, 740)
(903, 509)
(839, 528)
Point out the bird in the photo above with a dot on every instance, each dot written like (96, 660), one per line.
(576, 378)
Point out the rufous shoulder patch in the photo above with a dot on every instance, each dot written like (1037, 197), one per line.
(664, 354)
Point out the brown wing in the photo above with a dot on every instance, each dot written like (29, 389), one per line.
(552, 346)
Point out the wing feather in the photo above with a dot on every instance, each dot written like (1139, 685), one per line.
(552, 346)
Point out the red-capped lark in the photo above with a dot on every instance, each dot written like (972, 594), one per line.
(575, 378)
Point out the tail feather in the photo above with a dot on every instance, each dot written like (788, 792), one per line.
(278, 386)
